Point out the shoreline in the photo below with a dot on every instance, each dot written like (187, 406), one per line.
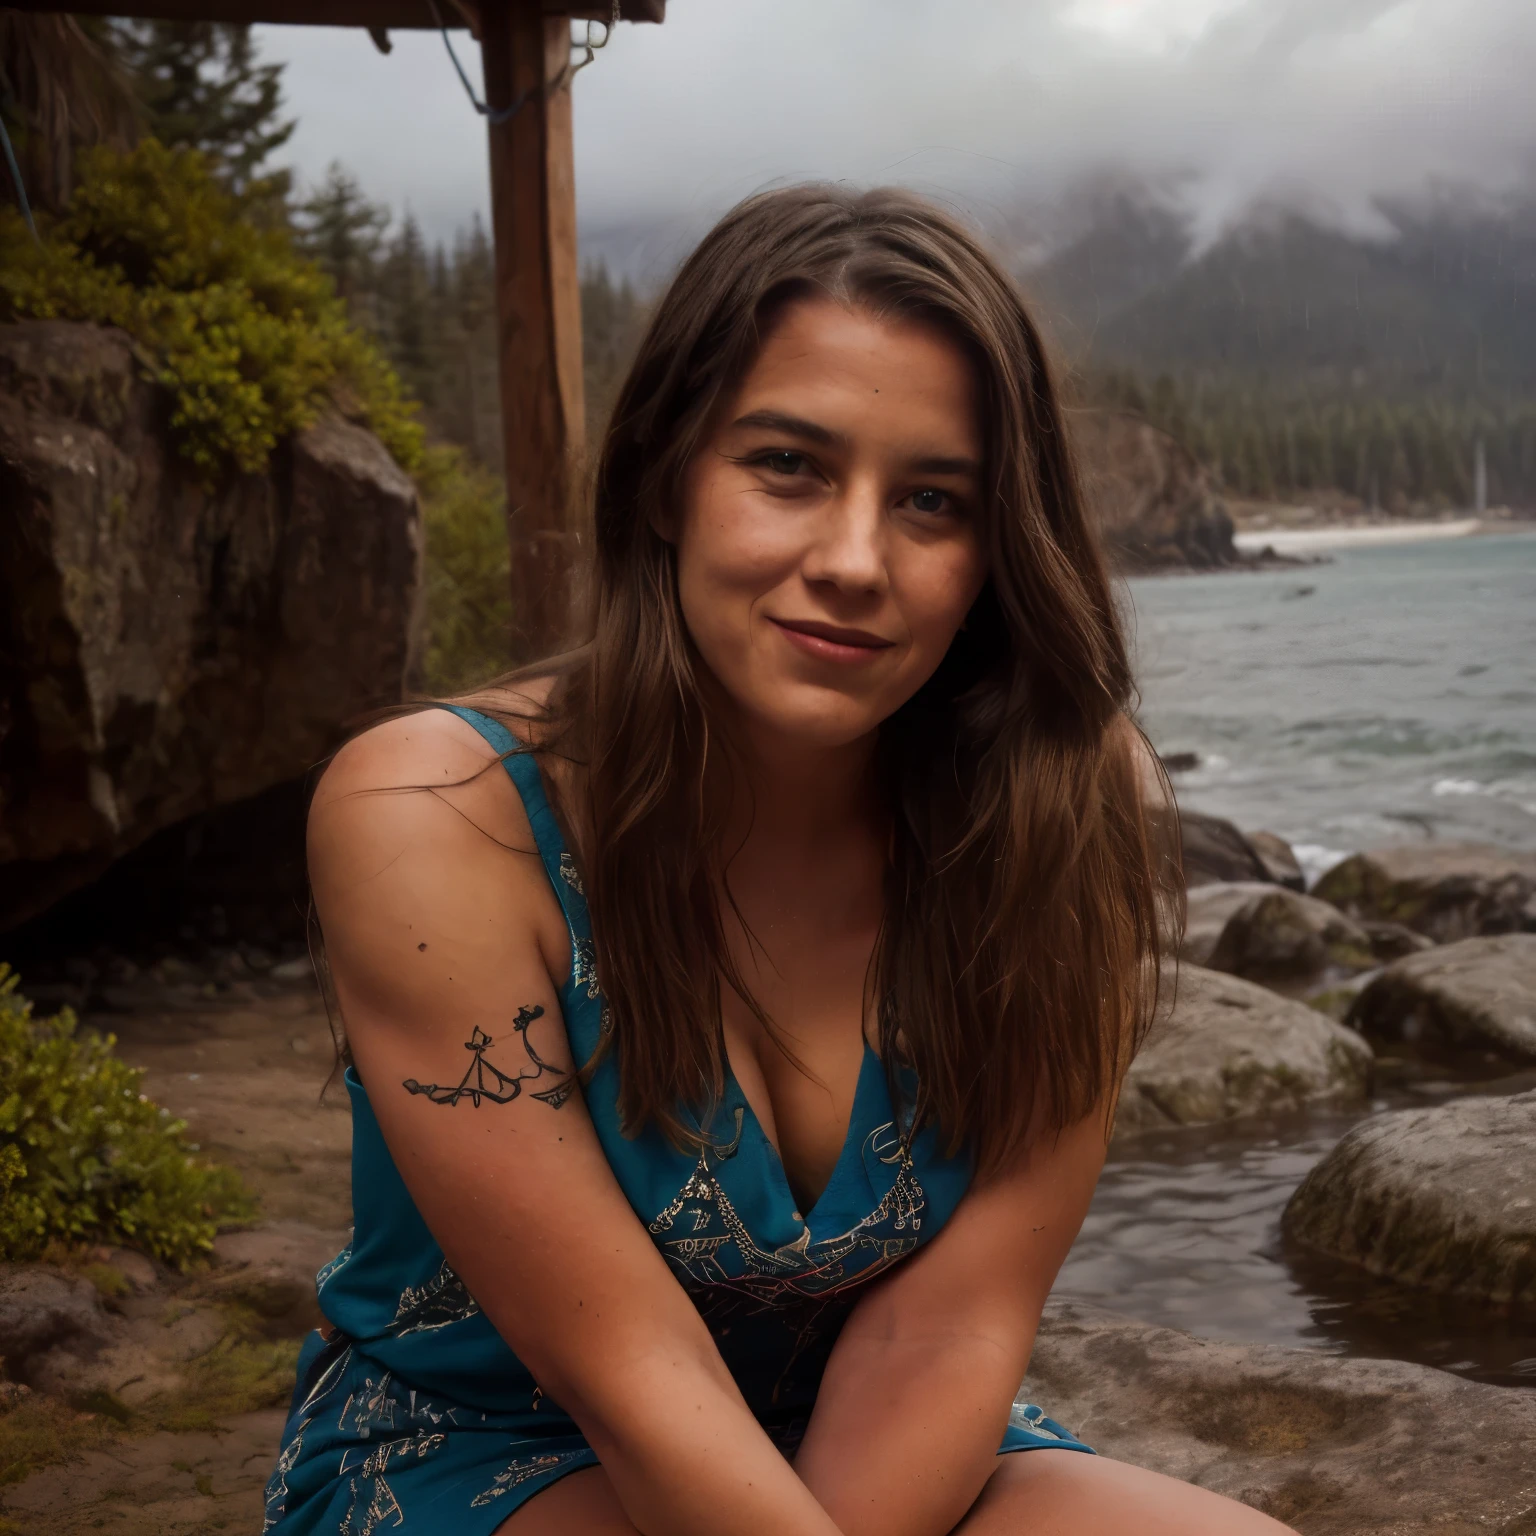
(1300, 541)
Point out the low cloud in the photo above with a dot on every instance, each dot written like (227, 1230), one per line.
(993, 105)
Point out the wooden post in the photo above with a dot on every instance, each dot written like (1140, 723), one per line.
(538, 304)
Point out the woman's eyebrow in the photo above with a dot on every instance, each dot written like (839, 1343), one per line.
(795, 426)
(811, 431)
(944, 466)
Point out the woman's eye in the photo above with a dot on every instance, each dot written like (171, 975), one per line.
(930, 501)
(784, 462)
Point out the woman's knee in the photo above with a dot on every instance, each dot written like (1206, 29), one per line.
(580, 1504)
(1065, 1493)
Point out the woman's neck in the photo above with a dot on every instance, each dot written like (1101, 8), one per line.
(799, 797)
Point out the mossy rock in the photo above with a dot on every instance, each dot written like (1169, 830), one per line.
(1446, 891)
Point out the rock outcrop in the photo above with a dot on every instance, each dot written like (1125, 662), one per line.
(1153, 501)
(1230, 1048)
(1329, 1446)
(1447, 891)
(1443, 1199)
(165, 648)
(1479, 994)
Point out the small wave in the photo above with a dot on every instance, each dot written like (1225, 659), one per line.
(1316, 860)
(1456, 787)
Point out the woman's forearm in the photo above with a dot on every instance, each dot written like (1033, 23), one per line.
(687, 1458)
(905, 1435)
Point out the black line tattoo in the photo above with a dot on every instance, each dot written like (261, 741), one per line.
(484, 1080)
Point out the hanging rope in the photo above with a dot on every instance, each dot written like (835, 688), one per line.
(15, 170)
(495, 116)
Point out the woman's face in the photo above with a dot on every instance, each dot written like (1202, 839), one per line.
(828, 548)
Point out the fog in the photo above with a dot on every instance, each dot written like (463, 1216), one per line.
(998, 106)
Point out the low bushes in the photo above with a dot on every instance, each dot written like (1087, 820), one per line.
(86, 1157)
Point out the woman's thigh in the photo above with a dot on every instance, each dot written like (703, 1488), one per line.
(580, 1504)
(1065, 1493)
(1032, 1493)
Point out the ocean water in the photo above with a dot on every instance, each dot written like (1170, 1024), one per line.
(1387, 695)
(1384, 696)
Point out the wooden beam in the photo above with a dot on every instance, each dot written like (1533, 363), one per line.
(538, 301)
(392, 15)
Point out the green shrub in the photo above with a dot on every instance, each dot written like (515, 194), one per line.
(468, 571)
(248, 335)
(84, 1156)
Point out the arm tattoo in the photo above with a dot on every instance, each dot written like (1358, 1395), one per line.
(484, 1080)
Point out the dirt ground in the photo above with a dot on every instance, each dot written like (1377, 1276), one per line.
(247, 1077)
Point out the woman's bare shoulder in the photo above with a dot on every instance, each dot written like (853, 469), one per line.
(429, 773)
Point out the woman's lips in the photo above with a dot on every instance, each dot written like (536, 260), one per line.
(831, 642)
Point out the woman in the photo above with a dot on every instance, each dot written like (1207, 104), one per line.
(737, 1004)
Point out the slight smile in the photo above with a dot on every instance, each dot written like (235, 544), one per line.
(832, 642)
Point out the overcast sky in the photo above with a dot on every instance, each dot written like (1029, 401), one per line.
(994, 104)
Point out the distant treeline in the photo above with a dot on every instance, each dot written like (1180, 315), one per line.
(433, 309)
(1400, 456)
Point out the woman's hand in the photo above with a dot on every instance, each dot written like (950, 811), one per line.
(444, 939)
(916, 1396)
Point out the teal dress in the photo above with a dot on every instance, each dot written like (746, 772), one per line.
(414, 1414)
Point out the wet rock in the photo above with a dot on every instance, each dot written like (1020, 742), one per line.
(1215, 850)
(1282, 936)
(43, 1309)
(1332, 1447)
(1208, 909)
(1446, 891)
(1443, 1199)
(172, 649)
(1479, 994)
(1279, 859)
(1230, 1048)
(271, 1269)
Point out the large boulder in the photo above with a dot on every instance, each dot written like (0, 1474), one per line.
(1283, 936)
(1229, 1048)
(167, 648)
(1442, 1198)
(1152, 500)
(1447, 891)
(1332, 1447)
(1479, 994)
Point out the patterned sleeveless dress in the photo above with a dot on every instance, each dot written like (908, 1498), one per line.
(416, 1416)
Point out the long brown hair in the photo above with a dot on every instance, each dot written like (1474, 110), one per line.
(1016, 967)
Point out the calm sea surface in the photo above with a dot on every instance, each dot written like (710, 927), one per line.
(1389, 695)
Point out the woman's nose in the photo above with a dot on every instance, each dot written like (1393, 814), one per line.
(848, 549)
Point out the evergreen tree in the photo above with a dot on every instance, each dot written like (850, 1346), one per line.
(203, 88)
(343, 231)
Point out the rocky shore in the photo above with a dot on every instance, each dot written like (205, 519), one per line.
(170, 1384)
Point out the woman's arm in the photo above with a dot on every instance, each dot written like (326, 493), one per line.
(917, 1393)
(442, 938)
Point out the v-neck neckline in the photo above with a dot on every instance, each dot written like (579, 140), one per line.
(851, 1137)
